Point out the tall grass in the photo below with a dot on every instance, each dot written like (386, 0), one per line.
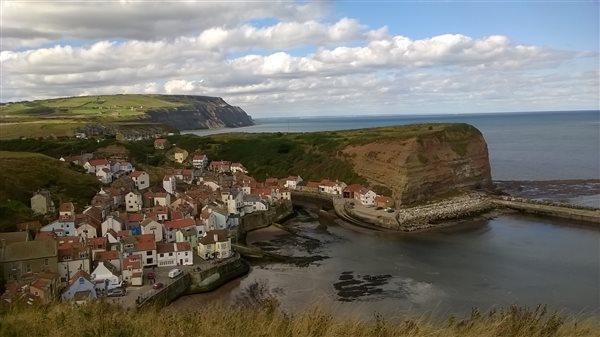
(266, 320)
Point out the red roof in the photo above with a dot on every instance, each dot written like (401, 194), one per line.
(179, 224)
(162, 248)
(106, 256)
(133, 262)
(176, 215)
(199, 157)
(66, 207)
(313, 184)
(136, 174)
(210, 237)
(145, 242)
(97, 162)
(135, 217)
(183, 246)
(78, 274)
(353, 188)
(160, 141)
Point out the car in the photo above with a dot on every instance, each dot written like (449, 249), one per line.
(116, 292)
(390, 210)
(173, 273)
(378, 208)
(157, 285)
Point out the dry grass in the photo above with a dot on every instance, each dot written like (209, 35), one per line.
(103, 319)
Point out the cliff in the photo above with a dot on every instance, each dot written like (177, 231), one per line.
(420, 166)
(200, 112)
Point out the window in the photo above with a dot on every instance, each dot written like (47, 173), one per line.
(81, 280)
(149, 252)
(28, 267)
(45, 262)
(170, 254)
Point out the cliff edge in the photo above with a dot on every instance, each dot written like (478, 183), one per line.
(419, 166)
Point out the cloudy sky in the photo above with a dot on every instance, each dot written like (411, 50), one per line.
(309, 58)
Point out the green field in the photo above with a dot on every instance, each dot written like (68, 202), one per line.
(23, 173)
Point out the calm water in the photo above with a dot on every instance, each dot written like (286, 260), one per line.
(508, 260)
(522, 146)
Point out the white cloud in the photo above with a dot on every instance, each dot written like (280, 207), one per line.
(181, 86)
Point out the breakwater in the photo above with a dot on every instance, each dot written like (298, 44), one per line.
(564, 211)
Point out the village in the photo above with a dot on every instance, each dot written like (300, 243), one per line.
(136, 235)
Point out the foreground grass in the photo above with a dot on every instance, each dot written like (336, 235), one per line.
(103, 319)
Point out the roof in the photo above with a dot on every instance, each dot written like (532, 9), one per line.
(145, 242)
(353, 188)
(210, 237)
(183, 246)
(96, 162)
(12, 237)
(136, 174)
(99, 241)
(135, 217)
(45, 236)
(181, 223)
(160, 141)
(78, 274)
(106, 256)
(29, 250)
(381, 198)
(189, 231)
(72, 250)
(199, 157)
(312, 184)
(132, 261)
(66, 207)
(162, 248)
(148, 222)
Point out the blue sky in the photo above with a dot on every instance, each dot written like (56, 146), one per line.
(310, 58)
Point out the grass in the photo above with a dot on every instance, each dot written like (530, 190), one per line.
(53, 128)
(101, 319)
(22, 173)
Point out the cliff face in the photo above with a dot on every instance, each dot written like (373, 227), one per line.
(200, 112)
(425, 166)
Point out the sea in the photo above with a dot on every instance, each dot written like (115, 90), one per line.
(510, 259)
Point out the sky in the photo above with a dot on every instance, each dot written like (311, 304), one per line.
(290, 58)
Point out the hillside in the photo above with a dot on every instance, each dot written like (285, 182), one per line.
(102, 319)
(22, 173)
(412, 162)
(155, 113)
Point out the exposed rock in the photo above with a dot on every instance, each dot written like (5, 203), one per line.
(200, 112)
(426, 165)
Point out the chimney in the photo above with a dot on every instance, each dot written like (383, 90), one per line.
(2, 249)
(216, 237)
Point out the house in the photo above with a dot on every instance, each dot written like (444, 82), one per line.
(162, 199)
(173, 226)
(383, 201)
(121, 166)
(332, 187)
(311, 186)
(105, 277)
(150, 226)
(237, 167)
(166, 254)
(212, 218)
(159, 213)
(24, 257)
(254, 203)
(133, 201)
(41, 203)
(179, 156)
(161, 144)
(73, 255)
(200, 161)
(111, 223)
(292, 181)
(86, 231)
(105, 176)
(220, 166)
(271, 182)
(215, 245)
(213, 185)
(281, 194)
(184, 253)
(12, 237)
(145, 247)
(350, 190)
(132, 271)
(366, 196)
(81, 288)
(169, 184)
(45, 286)
(234, 201)
(95, 165)
(63, 226)
(141, 179)
(96, 245)
(110, 256)
(188, 234)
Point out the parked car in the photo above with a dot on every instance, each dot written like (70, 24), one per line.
(116, 292)
(173, 273)
(157, 285)
(390, 210)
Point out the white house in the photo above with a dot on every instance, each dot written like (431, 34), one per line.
(215, 245)
(150, 226)
(132, 271)
(72, 256)
(105, 277)
(66, 209)
(184, 253)
(104, 175)
(332, 187)
(141, 179)
(133, 201)
(238, 167)
(111, 223)
(213, 185)
(292, 181)
(95, 165)
(213, 218)
(86, 231)
(254, 203)
(162, 199)
(234, 200)
(64, 226)
(173, 226)
(169, 184)
(200, 160)
(81, 288)
(165, 254)
(366, 196)
(123, 166)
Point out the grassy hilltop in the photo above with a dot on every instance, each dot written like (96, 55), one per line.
(267, 320)
(61, 116)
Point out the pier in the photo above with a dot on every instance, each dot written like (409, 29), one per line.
(542, 208)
